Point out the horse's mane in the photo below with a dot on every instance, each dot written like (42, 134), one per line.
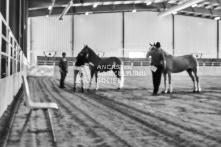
(166, 53)
(92, 54)
(90, 50)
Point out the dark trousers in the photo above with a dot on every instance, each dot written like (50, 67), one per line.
(156, 76)
(63, 75)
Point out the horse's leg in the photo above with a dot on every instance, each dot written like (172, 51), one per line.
(90, 82)
(96, 78)
(165, 82)
(170, 84)
(197, 81)
(82, 80)
(119, 77)
(192, 77)
(75, 78)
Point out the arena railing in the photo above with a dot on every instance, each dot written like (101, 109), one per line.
(13, 63)
(12, 58)
(126, 63)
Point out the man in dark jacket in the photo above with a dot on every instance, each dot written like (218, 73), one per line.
(63, 64)
(157, 66)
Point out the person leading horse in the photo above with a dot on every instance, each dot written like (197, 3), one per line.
(175, 64)
(97, 64)
(158, 63)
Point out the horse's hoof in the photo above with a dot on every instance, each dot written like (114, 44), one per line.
(199, 90)
(164, 92)
(118, 88)
(194, 91)
(74, 89)
(82, 90)
(170, 91)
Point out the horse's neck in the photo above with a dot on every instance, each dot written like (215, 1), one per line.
(166, 54)
(96, 59)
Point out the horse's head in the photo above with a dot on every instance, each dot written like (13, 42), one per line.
(151, 48)
(86, 55)
(82, 56)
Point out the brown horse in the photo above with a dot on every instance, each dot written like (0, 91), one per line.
(176, 64)
(97, 64)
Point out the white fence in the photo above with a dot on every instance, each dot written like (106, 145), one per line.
(127, 63)
(13, 64)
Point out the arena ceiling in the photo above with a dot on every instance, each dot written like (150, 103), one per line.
(203, 8)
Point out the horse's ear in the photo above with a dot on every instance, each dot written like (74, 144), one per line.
(150, 44)
(154, 44)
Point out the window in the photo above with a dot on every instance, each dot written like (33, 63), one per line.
(4, 66)
(15, 49)
(11, 67)
(14, 66)
(11, 42)
(3, 46)
(4, 30)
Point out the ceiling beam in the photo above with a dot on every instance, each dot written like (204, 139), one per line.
(52, 7)
(178, 7)
(66, 9)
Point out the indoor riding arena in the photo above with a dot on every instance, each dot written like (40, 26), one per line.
(85, 73)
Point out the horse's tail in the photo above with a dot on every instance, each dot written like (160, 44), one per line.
(196, 63)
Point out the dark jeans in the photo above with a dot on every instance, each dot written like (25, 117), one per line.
(157, 78)
(63, 75)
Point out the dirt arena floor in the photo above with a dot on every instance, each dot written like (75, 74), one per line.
(130, 117)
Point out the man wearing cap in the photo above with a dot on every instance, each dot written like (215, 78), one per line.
(63, 65)
(157, 65)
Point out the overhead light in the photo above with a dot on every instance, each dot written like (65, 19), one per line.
(66, 9)
(217, 18)
(194, 5)
(87, 13)
(117, 2)
(148, 3)
(179, 7)
(49, 7)
(94, 5)
(174, 13)
(134, 10)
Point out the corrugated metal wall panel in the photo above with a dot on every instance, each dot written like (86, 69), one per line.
(195, 35)
(142, 28)
(219, 39)
(101, 32)
(50, 34)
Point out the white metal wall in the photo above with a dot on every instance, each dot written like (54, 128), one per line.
(101, 32)
(195, 35)
(142, 28)
(50, 34)
(219, 39)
